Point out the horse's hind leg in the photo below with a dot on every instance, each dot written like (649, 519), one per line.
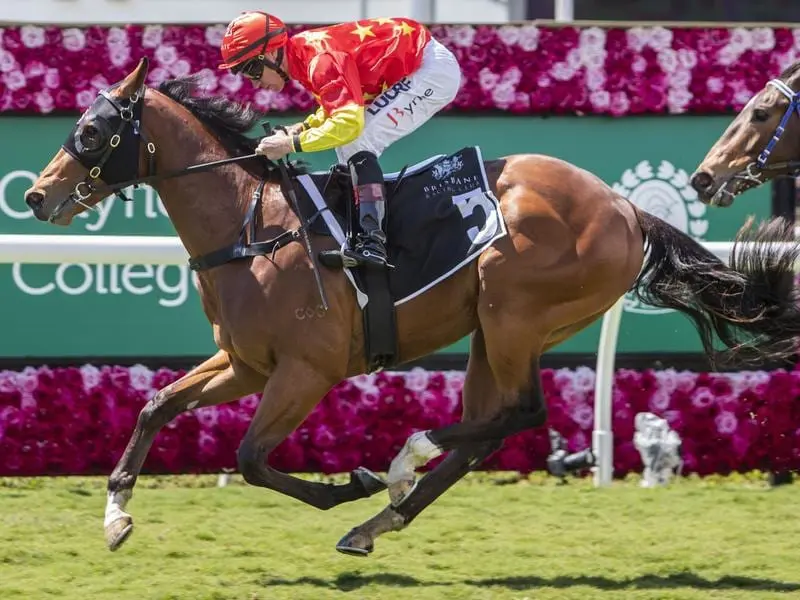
(212, 382)
(480, 400)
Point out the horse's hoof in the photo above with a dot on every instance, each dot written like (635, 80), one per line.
(400, 490)
(355, 544)
(118, 531)
(368, 480)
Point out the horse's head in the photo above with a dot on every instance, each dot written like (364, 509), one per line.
(761, 142)
(102, 150)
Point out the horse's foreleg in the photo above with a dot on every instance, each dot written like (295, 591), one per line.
(291, 393)
(212, 382)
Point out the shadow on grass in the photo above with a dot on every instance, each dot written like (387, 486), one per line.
(354, 581)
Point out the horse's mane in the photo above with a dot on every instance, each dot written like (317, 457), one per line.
(789, 71)
(229, 121)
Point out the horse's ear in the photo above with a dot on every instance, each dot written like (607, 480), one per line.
(136, 78)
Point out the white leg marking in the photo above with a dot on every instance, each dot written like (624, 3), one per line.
(417, 451)
(115, 506)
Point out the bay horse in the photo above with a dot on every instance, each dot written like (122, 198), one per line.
(760, 143)
(573, 247)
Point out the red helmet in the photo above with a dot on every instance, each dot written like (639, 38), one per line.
(250, 35)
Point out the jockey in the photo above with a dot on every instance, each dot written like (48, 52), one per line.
(375, 80)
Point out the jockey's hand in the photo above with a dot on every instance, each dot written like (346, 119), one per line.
(295, 129)
(275, 146)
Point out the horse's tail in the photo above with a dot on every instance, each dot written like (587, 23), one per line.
(751, 304)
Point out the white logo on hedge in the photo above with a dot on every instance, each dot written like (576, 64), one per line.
(666, 194)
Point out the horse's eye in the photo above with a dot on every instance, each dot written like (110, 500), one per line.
(91, 138)
(760, 115)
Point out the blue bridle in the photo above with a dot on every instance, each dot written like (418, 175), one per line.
(794, 107)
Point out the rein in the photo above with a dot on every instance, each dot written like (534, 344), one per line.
(129, 112)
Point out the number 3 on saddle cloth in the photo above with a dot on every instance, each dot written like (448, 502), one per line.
(441, 214)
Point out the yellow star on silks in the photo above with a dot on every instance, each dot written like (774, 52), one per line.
(383, 21)
(403, 29)
(314, 38)
(363, 32)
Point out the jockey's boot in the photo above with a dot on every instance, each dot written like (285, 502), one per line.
(369, 197)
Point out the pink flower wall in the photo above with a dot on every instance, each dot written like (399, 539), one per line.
(521, 69)
(77, 421)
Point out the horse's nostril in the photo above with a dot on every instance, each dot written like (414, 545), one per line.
(701, 181)
(34, 199)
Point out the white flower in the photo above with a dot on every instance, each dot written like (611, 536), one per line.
(119, 55)
(660, 38)
(638, 38)
(728, 55)
(741, 39)
(215, 35)
(687, 58)
(593, 58)
(152, 36)
(763, 39)
(14, 80)
(620, 104)
(34, 69)
(680, 78)
(84, 99)
(639, 64)
(166, 55)
(512, 76)
(91, 376)
(668, 60)
(726, 422)
(207, 79)
(600, 99)
(7, 61)
(574, 58)
(562, 71)
(73, 39)
(742, 96)
(32, 36)
(796, 36)
(593, 37)
(99, 82)
(678, 99)
(462, 35)
(52, 78)
(117, 37)
(141, 378)
(508, 34)
(528, 38)
(44, 100)
(487, 80)
(180, 68)
(157, 75)
(543, 80)
(417, 380)
(503, 95)
(232, 83)
(595, 79)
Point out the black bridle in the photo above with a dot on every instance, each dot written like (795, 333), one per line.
(115, 157)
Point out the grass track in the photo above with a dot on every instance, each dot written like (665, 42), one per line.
(717, 538)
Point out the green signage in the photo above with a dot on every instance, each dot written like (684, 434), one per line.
(142, 310)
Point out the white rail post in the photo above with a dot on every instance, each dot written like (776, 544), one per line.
(603, 434)
(564, 10)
